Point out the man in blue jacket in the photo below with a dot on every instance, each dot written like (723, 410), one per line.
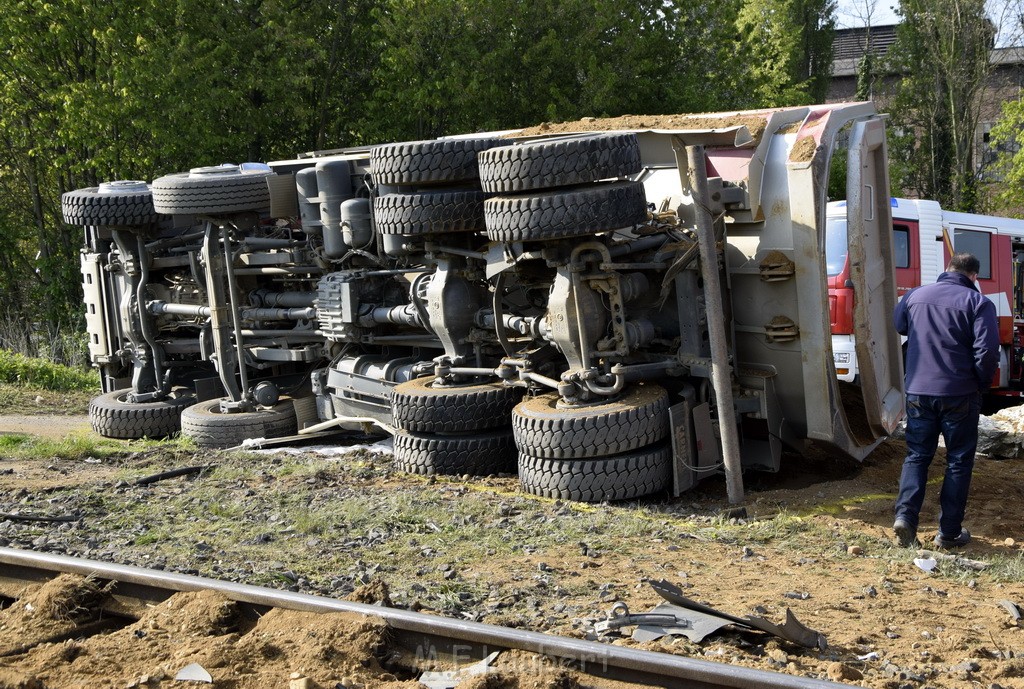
(952, 354)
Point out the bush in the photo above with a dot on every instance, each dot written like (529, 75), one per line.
(64, 342)
(18, 369)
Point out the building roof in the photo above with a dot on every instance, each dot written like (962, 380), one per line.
(853, 43)
(850, 45)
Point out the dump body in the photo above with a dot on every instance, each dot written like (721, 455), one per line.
(580, 306)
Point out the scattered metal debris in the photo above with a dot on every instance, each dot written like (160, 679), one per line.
(665, 619)
(792, 630)
(681, 616)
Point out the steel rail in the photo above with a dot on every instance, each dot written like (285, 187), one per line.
(428, 634)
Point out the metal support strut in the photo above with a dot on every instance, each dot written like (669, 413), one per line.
(721, 377)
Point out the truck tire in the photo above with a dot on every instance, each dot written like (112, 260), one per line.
(112, 416)
(416, 406)
(479, 454)
(428, 162)
(566, 213)
(211, 191)
(618, 477)
(563, 162)
(430, 213)
(636, 419)
(208, 427)
(122, 203)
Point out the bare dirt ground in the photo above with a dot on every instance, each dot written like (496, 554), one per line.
(816, 540)
(44, 425)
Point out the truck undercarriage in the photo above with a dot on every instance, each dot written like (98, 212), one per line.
(611, 314)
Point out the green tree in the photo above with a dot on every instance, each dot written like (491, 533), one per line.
(1006, 136)
(465, 65)
(789, 45)
(92, 91)
(941, 55)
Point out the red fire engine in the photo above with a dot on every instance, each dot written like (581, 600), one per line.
(924, 237)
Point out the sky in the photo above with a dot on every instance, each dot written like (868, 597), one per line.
(851, 13)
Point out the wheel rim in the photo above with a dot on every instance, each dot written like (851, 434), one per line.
(123, 186)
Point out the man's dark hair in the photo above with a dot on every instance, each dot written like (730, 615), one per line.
(964, 263)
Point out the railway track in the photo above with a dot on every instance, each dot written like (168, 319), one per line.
(410, 631)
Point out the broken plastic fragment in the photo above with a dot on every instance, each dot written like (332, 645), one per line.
(926, 563)
(869, 656)
(193, 673)
(449, 679)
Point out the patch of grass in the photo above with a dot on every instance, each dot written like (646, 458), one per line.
(311, 522)
(1002, 568)
(154, 536)
(21, 446)
(223, 510)
(17, 369)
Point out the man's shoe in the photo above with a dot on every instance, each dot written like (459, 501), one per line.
(906, 535)
(946, 542)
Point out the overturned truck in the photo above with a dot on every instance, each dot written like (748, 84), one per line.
(608, 313)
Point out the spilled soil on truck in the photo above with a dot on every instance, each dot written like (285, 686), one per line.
(755, 125)
(342, 521)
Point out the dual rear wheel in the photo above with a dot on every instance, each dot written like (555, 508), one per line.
(615, 450)
(457, 429)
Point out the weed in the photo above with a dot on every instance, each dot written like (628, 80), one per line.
(223, 510)
(310, 522)
(150, 537)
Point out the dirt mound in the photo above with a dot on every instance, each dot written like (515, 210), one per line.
(206, 629)
(48, 611)
(374, 593)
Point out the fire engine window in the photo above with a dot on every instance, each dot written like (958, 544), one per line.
(901, 243)
(836, 247)
(979, 244)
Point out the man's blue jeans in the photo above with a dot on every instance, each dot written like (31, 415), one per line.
(956, 418)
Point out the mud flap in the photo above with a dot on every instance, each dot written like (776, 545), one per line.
(696, 453)
(869, 219)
